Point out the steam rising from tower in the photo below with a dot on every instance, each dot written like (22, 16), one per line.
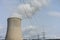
(29, 7)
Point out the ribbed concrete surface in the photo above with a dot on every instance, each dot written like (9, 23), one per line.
(14, 29)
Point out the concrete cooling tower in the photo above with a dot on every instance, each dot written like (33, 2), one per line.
(14, 29)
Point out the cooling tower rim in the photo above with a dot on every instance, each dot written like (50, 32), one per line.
(14, 18)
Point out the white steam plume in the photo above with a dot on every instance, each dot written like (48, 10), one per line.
(15, 14)
(28, 8)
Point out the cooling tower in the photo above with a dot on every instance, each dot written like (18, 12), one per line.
(14, 29)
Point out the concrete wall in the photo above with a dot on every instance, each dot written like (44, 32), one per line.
(14, 29)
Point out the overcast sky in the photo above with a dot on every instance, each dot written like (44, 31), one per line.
(48, 17)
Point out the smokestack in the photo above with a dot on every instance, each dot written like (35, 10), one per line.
(14, 29)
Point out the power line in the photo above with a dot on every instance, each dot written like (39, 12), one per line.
(30, 19)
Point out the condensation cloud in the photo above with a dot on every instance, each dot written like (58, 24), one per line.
(29, 7)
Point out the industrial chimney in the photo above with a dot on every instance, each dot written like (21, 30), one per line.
(14, 29)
